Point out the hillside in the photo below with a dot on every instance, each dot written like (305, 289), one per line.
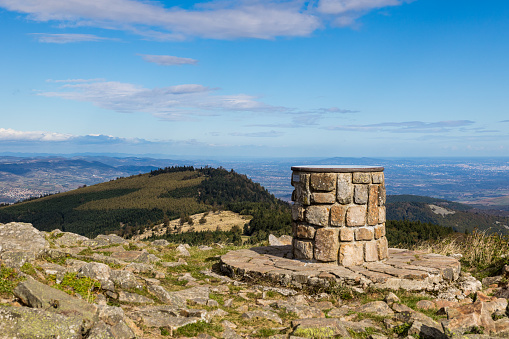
(460, 217)
(128, 205)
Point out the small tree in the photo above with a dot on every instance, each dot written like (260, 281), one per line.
(202, 220)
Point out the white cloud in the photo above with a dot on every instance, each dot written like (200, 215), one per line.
(66, 38)
(407, 127)
(8, 134)
(11, 135)
(267, 134)
(168, 60)
(168, 103)
(346, 6)
(260, 19)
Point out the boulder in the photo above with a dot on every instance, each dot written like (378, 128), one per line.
(38, 295)
(125, 280)
(67, 239)
(24, 322)
(129, 297)
(182, 250)
(14, 238)
(375, 307)
(95, 270)
(160, 242)
(467, 317)
(283, 240)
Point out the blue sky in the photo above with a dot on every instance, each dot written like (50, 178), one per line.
(255, 78)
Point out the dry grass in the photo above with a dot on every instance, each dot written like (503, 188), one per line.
(223, 220)
(484, 254)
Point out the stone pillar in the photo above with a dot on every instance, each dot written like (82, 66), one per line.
(338, 215)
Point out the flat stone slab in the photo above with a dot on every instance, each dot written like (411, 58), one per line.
(409, 270)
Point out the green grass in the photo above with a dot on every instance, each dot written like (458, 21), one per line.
(192, 330)
(84, 286)
(9, 279)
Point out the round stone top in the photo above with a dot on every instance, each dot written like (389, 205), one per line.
(337, 168)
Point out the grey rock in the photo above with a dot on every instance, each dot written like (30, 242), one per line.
(122, 331)
(125, 280)
(111, 238)
(192, 293)
(165, 296)
(95, 270)
(375, 307)
(24, 322)
(160, 242)
(16, 259)
(262, 315)
(424, 331)
(162, 316)
(68, 239)
(100, 331)
(15, 236)
(230, 334)
(111, 315)
(182, 250)
(391, 298)
(38, 295)
(133, 298)
(139, 268)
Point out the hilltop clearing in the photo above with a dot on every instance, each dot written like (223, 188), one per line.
(207, 221)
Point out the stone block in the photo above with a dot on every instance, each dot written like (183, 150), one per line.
(326, 244)
(377, 177)
(383, 248)
(323, 198)
(381, 195)
(362, 178)
(372, 217)
(338, 215)
(379, 231)
(370, 251)
(364, 233)
(298, 178)
(302, 249)
(351, 254)
(301, 195)
(323, 181)
(360, 194)
(344, 189)
(346, 234)
(305, 232)
(298, 212)
(356, 215)
(381, 214)
(318, 215)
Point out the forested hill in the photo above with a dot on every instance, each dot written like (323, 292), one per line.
(130, 204)
(460, 217)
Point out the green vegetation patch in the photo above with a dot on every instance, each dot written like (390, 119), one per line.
(192, 330)
(84, 286)
(318, 333)
(9, 279)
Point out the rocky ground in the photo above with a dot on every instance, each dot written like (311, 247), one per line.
(63, 285)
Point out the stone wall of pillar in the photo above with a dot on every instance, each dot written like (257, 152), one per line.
(339, 214)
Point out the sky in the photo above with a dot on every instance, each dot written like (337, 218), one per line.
(255, 78)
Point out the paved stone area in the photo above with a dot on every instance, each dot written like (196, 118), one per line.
(409, 270)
